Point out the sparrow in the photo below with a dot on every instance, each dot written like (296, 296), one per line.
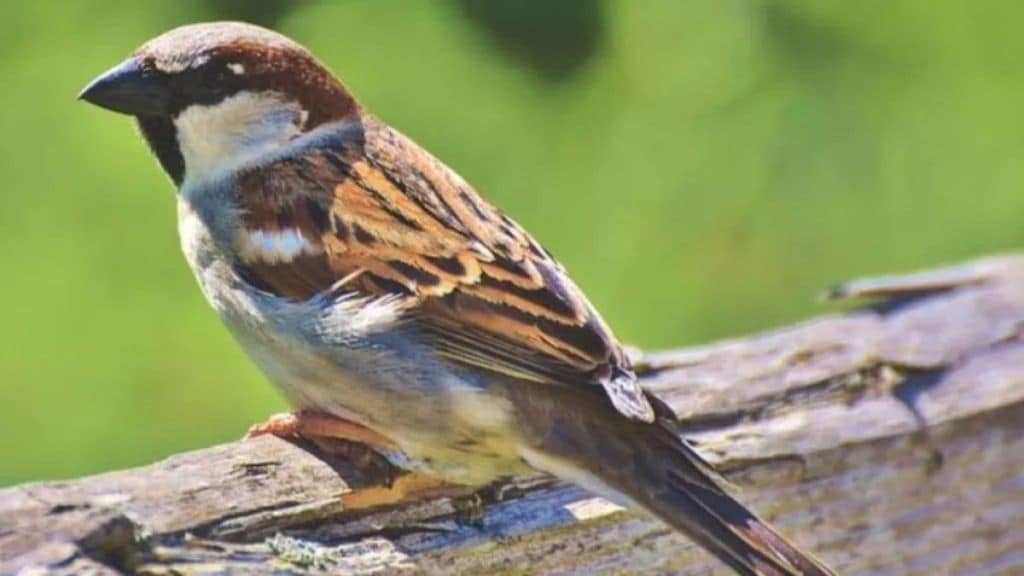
(391, 303)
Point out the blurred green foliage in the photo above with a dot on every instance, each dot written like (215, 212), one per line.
(702, 167)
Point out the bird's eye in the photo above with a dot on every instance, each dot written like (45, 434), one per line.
(216, 75)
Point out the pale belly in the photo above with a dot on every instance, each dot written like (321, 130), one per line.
(353, 360)
(444, 427)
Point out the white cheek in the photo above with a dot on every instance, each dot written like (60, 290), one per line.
(221, 137)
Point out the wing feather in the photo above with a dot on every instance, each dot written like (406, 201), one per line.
(392, 220)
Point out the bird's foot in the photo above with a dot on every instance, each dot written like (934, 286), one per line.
(359, 446)
(318, 426)
(469, 510)
(364, 449)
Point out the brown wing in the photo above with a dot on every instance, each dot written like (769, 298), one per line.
(376, 214)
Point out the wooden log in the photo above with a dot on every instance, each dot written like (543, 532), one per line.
(888, 439)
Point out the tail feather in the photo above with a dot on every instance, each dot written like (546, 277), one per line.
(697, 504)
(651, 465)
(731, 532)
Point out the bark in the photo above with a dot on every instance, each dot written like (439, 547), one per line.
(888, 439)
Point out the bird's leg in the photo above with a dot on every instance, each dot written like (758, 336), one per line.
(363, 448)
(316, 426)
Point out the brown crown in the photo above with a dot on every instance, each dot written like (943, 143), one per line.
(263, 60)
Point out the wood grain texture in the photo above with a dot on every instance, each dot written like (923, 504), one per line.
(888, 439)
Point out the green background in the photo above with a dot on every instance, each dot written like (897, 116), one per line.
(703, 168)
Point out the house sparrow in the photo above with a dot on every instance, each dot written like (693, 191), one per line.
(391, 303)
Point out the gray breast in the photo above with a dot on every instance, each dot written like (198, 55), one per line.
(356, 357)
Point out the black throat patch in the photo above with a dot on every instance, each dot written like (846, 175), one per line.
(162, 137)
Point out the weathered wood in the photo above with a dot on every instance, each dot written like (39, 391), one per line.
(890, 440)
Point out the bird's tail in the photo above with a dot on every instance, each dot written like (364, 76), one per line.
(681, 488)
(654, 467)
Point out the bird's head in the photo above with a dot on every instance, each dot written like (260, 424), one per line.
(210, 96)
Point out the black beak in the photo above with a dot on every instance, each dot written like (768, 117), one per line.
(129, 89)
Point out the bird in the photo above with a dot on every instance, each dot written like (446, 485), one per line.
(391, 303)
